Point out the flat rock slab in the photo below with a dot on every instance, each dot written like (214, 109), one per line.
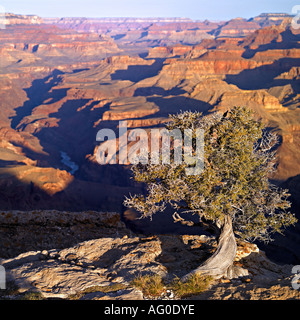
(101, 263)
(103, 269)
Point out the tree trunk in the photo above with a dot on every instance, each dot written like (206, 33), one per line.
(223, 257)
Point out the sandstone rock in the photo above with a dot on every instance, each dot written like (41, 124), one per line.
(244, 249)
(28, 257)
(128, 294)
(230, 28)
(92, 269)
(263, 269)
(68, 272)
(11, 19)
(261, 279)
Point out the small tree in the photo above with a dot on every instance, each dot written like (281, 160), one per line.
(233, 193)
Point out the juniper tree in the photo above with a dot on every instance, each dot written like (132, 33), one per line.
(233, 193)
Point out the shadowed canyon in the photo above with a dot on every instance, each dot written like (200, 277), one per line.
(63, 79)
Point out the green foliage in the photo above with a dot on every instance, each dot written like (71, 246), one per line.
(154, 286)
(150, 285)
(32, 296)
(238, 160)
(196, 284)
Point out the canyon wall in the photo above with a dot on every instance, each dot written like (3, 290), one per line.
(62, 80)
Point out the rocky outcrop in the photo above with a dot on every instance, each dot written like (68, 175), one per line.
(33, 44)
(129, 109)
(254, 277)
(15, 19)
(275, 36)
(236, 27)
(103, 268)
(265, 19)
(169, 51)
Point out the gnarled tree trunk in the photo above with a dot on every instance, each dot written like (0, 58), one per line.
(224, 255)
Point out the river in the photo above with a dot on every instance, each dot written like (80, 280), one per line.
(66, 160)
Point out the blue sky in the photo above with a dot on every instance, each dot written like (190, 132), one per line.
(194, 9)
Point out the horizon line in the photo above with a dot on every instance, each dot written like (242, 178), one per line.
(148, 17)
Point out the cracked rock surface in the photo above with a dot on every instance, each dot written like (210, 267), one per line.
(103, 268)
